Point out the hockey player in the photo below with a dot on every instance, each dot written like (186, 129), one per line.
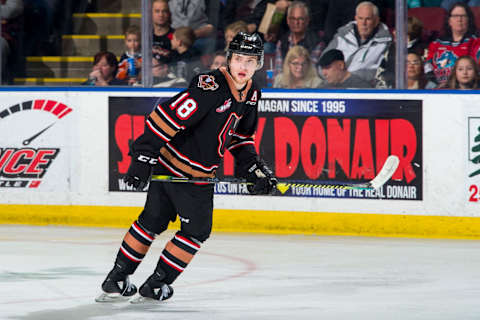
(187, 137)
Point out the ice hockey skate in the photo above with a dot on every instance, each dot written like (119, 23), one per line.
(116, 287)
(153, 290)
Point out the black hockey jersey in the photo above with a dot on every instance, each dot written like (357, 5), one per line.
(191, 131)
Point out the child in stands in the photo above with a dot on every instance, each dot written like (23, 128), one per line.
(131, 60)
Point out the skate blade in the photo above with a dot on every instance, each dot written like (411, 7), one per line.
(111, 297)
(143, 300)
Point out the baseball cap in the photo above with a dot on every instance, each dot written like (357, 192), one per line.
(331, 56)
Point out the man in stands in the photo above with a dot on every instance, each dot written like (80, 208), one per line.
(363, 41)
(162, 31)
(336, 73)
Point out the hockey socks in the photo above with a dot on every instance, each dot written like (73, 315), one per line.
(135, 245)
(177, 255)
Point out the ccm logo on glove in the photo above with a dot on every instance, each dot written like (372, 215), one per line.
(147, 159)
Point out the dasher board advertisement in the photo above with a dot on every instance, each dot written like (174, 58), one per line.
(35, 140)
(306, 141)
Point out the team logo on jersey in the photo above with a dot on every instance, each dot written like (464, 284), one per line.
(207, 82)
(226, 105)
(253, 99)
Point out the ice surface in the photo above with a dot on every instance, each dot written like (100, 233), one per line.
(50, 273)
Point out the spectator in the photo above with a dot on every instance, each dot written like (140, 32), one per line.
(232, 29)
(336, 74)
(363, 41)
(219, 60)
(9, 10)
(182, 52)
(298, 19)
(162, 78)
(385, 76)
(464, 75)
(447, 4)
(298, 71)
(131, 59)
(162, 31)
(459, 40)
(341, 12)
(193, 14)
(105, 67)
(416, 78)
(415, 34)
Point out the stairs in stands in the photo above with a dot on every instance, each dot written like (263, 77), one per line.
(94, 32)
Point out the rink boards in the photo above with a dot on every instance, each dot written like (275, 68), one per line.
(63, 153)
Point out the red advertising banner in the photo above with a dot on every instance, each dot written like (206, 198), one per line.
(309, 141)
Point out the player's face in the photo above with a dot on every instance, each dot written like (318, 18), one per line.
(160, 14)
(465, 72)
(132, 42)
(242, 67)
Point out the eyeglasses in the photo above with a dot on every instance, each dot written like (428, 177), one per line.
(299, 64)
(299, 19)
(414, 63)
(459, 16)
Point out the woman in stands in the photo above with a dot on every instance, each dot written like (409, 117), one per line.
(298, 71)
(459, 39)
(464, 75)
(105, 66)
(416, 78)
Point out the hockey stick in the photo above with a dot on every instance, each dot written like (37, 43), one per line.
(387, 171)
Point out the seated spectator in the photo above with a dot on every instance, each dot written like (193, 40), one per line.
(9, 10)
(298, 34)
(415, 34)
(298, 71)
(416, 78)
(193, 14)
(162, 31)
(341, 12)
(464, 75)
(447, 4)
(182, 54)
(105, 67)
(385, 75)
(363, 41)
(231, 31)
(459, 40)
(131, 60)
(335, 72)
(162, 78)
(219, 60)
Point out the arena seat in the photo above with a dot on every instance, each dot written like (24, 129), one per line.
(432, 18)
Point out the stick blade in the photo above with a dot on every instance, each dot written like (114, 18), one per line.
(388, 169)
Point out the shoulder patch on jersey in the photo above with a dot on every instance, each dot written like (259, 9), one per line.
(207, 82)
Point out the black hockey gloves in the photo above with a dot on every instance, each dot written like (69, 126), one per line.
(140, 169)
(260, 178)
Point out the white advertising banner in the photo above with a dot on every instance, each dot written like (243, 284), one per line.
(37, 135)
(68, 147)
